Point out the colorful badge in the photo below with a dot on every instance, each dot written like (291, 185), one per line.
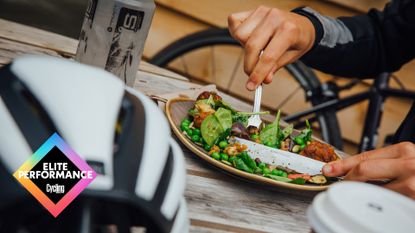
(55, 175)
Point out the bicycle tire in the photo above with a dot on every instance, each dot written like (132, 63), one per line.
(309, 82)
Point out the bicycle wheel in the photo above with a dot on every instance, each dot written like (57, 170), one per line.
(210, 49)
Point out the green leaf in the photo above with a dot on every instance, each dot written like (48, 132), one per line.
(211, 129)
(193, 112)
(308, 132)
(243, 119)
(305, 135)
(240, 164)
(211, 101)
(223, 104)
(248, 160)
(269, 135)
(298, 181)
(278, 178)
(287, 131)
(224, 117)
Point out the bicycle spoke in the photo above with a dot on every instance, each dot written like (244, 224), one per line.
(212, 51)
(398, 81)
(235, 68)
(289, 97)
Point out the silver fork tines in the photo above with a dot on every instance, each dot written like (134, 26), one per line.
(255, 120)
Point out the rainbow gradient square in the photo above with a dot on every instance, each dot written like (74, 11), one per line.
(55, 209)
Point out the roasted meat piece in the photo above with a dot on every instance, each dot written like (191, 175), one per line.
(206, 94)
(198, 119)
(319, 151)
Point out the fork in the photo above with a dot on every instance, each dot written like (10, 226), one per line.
(255, 120)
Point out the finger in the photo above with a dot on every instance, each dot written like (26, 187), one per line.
(259, 39)
(270, 76)
(236, 19)
(341, 167)
(245, 29)
(285, 59)
(275, 49)
(404, 186)
(376, 169)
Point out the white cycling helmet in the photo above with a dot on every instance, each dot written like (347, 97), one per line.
(118, 131)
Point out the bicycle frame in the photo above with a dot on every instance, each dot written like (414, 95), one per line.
(376, 95)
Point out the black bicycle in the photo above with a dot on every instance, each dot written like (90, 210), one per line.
(206, 48)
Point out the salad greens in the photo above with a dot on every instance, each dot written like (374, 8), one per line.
(304, 137)
(211, 129)
(224, 117)
(287, 131)
(212, 122)
(269, 135)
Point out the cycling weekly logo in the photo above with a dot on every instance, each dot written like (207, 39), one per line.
(55, 175)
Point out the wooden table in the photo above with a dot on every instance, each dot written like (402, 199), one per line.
(217, 201)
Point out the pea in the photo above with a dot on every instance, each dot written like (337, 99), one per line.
(215, 155)
(270, 144)
(185, 122)
(254, 136)
(299, 141)
(223, 144)
(195, 138)
(207, 147)
(189, 132)
(184, 127)
(266, 171)
(275, 172)
(262, 165)
(224, 156)
(284, 174)
(196, 132)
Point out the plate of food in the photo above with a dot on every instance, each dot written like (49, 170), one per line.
(273, 154)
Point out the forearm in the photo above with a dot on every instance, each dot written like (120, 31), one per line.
(362, 46)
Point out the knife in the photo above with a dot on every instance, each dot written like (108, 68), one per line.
(281, 158)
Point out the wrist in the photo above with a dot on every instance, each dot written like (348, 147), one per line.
(311, 21)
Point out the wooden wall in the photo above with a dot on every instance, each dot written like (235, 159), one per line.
(176, 18)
